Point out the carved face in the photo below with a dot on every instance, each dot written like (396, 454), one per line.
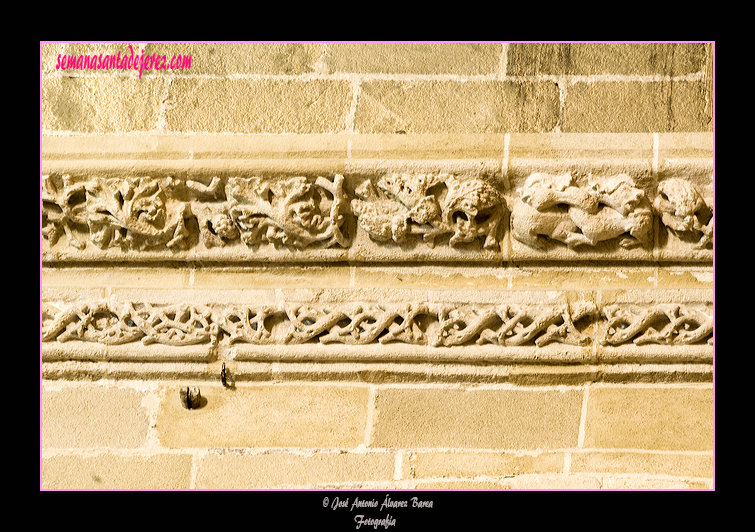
(223, 226)
(680, 195)
(150, 210)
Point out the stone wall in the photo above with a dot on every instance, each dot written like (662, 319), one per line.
(461, 266)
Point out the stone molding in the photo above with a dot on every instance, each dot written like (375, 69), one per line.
(385, 325)
(548, 203)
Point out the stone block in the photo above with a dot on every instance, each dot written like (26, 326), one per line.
(669, 59)
(456, 107)
(257, 106)
(92, 416)
(101, 105)
(475, 419)
(469, 464)
(633, 107)
(413, 58)
(50, 52)
(680, 465)
(283, 470)
(266, 416)
(653, 418)
(108, 471)
(243, 58)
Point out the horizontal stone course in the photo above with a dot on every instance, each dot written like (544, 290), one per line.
(487, 419)
(243, 58)
(101, 105)
(470, 464)
(633, 107)
(110, 471)
(413, 58)
(680, 465)
(93, 417)
(456, 107)
(669, 59)
(266, 416)
(257, 106)
(276, 470)
(653, 418)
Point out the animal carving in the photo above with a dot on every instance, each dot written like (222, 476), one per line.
(403, 205)
(684, 212)
(554, 207)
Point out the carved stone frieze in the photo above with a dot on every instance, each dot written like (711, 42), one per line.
(399, 206)
(171, 214)
(418, 323)
(554, 207)
(685, 213)
(668, 324)
(241, 217)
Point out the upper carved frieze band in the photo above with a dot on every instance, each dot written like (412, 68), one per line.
(243, 217)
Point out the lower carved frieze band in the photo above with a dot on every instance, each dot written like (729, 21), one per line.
(429, 324)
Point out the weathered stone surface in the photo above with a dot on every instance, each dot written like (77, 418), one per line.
(680, 465)
(266, 416)
(669, 59)
(553, 207)
(654, 418)
(455, 107)
(448, 464)
(91, 416)
(624, 107)
(257, 106)
(246, 58)
(279, 470)
(108, 471)
(50, 53)
(414, 58)
(488, 419)
(101, 105)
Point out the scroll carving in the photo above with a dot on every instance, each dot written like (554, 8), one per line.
(292, 212)
(433, 206)
(507, 325)
(661, 324)
(153, 214)
(553, 207)
(438, 325)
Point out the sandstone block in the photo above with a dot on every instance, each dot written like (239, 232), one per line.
(625, 107)
(266, 416)
(414, 58)
(258, 106)
(680, 465)
(662, 418)
(670, 59)
(456, 107)
(101, 105)
(93, 416)
(481, 419)
(278, 470)
(107, 471)
(243, 58)
(468, 464)
(50, 52)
